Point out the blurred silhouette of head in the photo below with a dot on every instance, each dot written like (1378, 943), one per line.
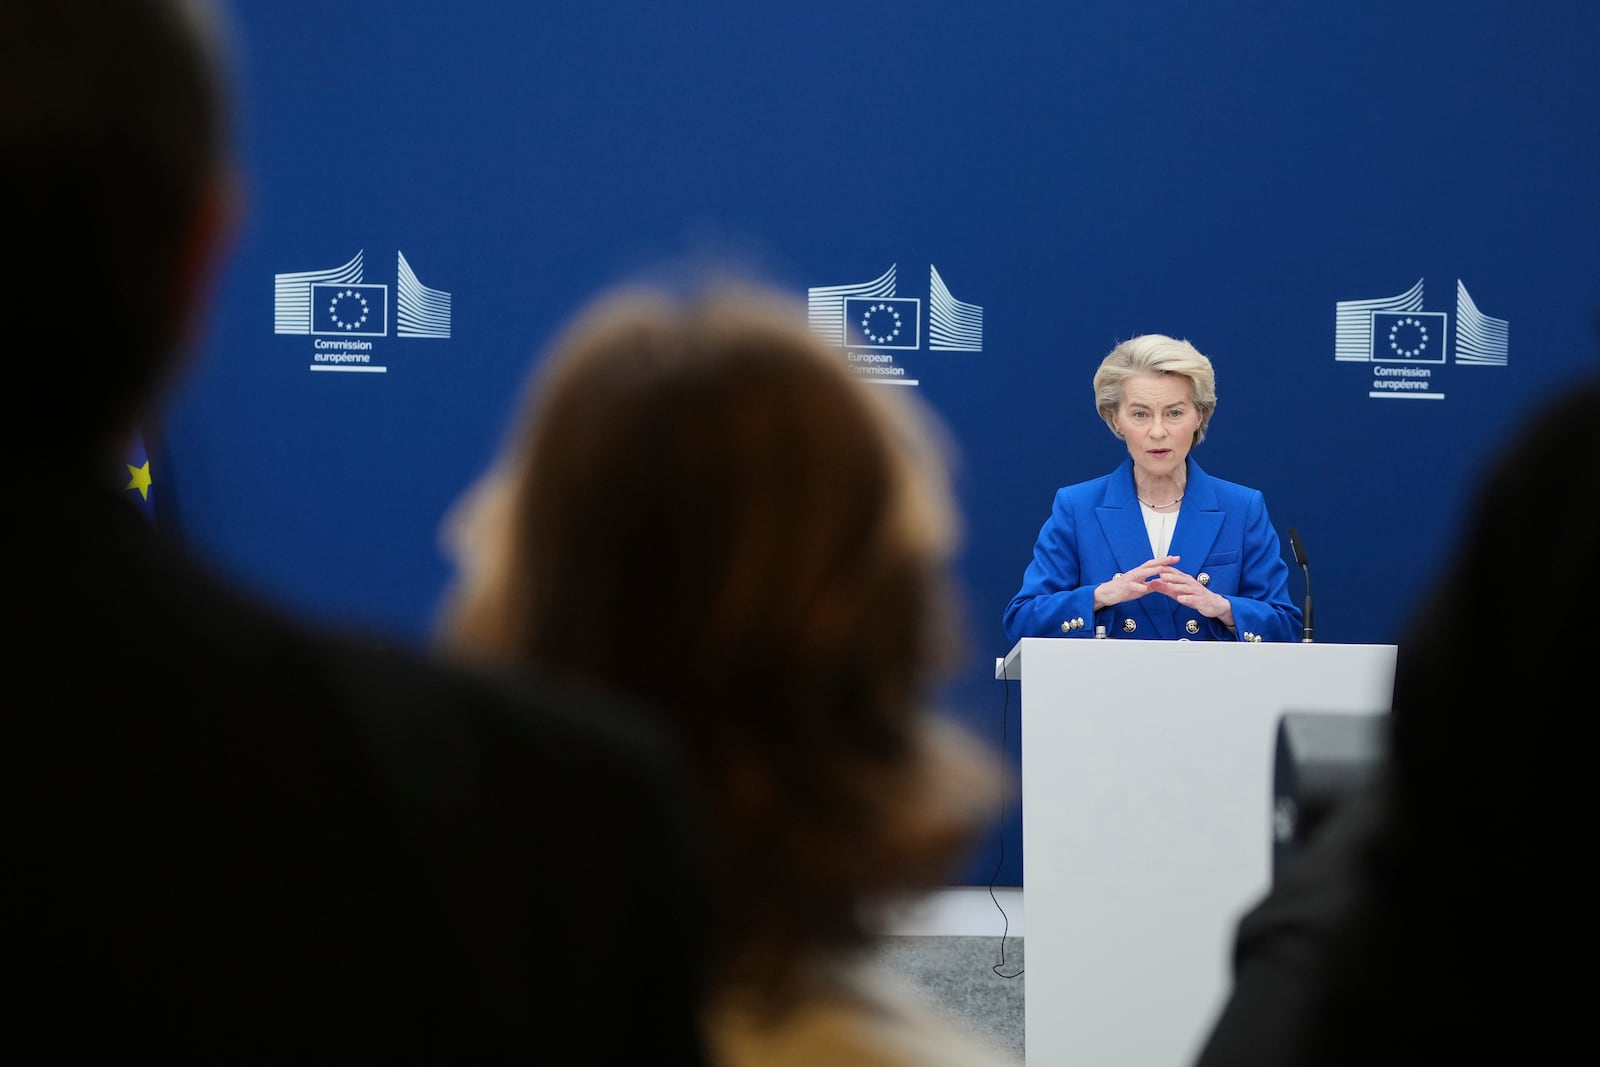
(1455, 945)
(1477, 704)
(113, 133)
(703, 505)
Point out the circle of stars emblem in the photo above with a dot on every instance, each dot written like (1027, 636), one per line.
(1419, 332)
(357, 319)
(891, 323)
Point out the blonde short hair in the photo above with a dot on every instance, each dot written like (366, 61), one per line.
(1155, 353)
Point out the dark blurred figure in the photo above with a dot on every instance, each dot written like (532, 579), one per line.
(701, 505)
(229, 837)
(1438, 915)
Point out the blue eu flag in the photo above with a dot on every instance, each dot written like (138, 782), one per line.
(883, 321)
(137, 462)
(350, 310)
(1409, 336)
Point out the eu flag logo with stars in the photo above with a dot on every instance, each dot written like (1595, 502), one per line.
(884, 321)
(137, 489)
(350, 310)
(1408, 336)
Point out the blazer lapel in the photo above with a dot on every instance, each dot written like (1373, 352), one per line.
(1199, 521)
(1122, 522)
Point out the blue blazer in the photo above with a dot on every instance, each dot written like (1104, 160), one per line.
(1096, 530)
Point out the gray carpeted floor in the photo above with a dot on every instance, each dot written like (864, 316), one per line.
(964, 976)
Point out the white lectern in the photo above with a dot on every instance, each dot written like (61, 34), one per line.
(1146, 826)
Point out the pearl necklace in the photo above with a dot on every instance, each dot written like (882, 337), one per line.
(1158, 507)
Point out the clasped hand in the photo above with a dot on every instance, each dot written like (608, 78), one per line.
(1161, 576)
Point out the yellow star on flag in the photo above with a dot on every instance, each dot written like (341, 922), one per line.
(139, 478)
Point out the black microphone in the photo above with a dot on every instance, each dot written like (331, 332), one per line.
(1300, 558)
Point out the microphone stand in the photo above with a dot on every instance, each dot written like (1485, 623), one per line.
(1305, 567)
(1306, 570)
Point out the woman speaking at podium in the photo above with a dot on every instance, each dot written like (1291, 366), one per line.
(1157, 549)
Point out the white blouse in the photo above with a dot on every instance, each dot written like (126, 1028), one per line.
(1159, 527)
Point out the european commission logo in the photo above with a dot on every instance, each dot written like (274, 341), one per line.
(1406, 344)
(876, 326)
(338, 302)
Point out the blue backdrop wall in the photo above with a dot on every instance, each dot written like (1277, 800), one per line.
(1380, 220)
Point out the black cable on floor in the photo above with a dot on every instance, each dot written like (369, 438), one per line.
(1005, 713)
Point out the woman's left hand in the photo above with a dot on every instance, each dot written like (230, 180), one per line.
(1188, 591)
